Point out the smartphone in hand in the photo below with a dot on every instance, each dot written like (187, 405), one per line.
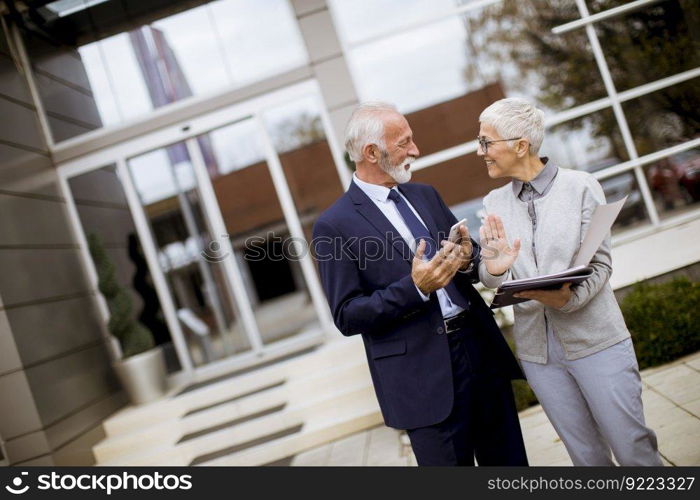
(455, 235)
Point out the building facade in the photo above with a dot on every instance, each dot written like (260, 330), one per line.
(199, 141)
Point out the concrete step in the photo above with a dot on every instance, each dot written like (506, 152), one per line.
(176, 405)
(253, 418)
(321, 431)
(327, 413)
(322, 384)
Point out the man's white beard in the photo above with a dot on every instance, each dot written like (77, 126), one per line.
(399, 172)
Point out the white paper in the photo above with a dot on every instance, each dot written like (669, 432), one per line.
(601, 222)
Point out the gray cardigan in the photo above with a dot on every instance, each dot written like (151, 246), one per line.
(591, 320)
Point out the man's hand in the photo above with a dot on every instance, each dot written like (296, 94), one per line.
(466, 244)
(496, 252)
(552, 298)
(439, 271)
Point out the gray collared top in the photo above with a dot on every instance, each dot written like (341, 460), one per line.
(536, 188)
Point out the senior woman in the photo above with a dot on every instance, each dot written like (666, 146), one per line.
(573, 344)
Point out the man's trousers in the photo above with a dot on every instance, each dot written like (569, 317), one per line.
(483, 422)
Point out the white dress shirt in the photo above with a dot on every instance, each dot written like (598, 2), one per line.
(380, 196)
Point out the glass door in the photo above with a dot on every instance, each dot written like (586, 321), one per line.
(263, 230)
(167, 189)
(223, 206)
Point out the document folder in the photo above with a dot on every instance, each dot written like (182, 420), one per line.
(600, 225)
(504, 294)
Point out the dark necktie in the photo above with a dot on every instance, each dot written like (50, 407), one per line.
(419, 232)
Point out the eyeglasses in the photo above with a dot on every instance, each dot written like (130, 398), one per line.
(484, 143)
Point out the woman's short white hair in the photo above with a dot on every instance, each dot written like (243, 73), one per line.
(366, 127)
(516, 117)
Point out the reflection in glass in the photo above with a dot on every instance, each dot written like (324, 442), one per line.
(651, 43)
(352, 15)
(219, 45)
(675, 182)
(104, 215)
(615, 188)
(512, 42)
(594, 143)
(258, 232)
(258, 39)
(119, 87)
(586, 143)
(416, 69)
(665, 118)
(193, 58)
(595, 6)
(166, 185)
(236, 147)
(297, 133)
(509, 44)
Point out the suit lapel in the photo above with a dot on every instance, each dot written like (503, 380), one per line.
(366, 207)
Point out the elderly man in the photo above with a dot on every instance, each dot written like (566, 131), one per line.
(573, 343)
(440, 366)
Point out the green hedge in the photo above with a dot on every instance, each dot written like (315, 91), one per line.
(524, 396)
(664, 320)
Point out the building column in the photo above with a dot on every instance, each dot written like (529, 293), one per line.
(327, 60)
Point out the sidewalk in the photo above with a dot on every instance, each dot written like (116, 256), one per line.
(671, 395)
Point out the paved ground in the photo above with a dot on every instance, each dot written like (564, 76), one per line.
(671, 404)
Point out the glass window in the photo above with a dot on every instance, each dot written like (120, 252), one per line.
(101, 86)
(512, 43)
(586, 142)
(235, 147)
(659, 40)
(259, 39)
(595, 6)
(189, 255)
(191, 50)
(211, 48)
(675, 182)
(509, 44)
(664, 118)
(593, 143)
(416, 69)
(351, 15)
(300, 141)
(633, 213)
(126, 89)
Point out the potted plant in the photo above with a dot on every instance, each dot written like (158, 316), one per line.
(141, 369)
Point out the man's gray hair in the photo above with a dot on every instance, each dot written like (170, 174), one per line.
(516, 117)
(366, 127)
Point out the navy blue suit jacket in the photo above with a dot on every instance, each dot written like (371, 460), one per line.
(365, 269)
